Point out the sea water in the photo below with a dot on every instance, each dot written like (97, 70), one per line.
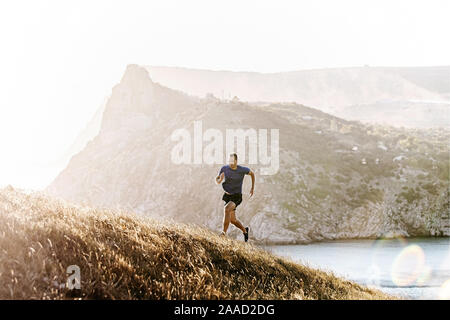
(413, 268)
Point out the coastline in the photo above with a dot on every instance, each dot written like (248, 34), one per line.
(328, 240)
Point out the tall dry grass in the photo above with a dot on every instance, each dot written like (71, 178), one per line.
(123, 256)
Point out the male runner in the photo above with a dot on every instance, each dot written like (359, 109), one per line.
(232, 186)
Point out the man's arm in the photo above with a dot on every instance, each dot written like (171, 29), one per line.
(252, 174)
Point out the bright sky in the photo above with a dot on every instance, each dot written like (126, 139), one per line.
(59, 59)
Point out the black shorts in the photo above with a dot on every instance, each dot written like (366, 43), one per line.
(236, 198)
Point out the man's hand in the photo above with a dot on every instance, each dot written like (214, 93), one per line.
(220, 178)
(251, 192)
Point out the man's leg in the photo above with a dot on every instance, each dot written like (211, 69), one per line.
(227, 209)
(235, 221)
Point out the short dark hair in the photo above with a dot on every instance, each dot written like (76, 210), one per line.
(234, 155)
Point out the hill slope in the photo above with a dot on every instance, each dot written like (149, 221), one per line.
(122, 256)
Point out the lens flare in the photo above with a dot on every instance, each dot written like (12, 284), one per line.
(378, 247)
(408, 266)
(446, 262)
(444, 291)
(425, 275)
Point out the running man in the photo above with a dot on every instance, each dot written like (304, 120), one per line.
(232, 186)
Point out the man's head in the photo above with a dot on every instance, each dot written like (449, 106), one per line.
(232, 161)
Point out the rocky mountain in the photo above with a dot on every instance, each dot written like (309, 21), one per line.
(357, 93)
(336, 178)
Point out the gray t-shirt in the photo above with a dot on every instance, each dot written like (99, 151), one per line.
(233, 178)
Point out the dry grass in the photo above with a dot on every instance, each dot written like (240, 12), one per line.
(123, 256)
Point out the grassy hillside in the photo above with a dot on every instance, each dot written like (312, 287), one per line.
(123, 256)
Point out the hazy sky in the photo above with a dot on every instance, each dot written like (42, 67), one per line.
(59, 59)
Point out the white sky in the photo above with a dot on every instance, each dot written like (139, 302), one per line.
(59, 59)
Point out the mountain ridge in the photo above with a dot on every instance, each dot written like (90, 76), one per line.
(334, 90)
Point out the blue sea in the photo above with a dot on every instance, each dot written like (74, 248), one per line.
(413, 268)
